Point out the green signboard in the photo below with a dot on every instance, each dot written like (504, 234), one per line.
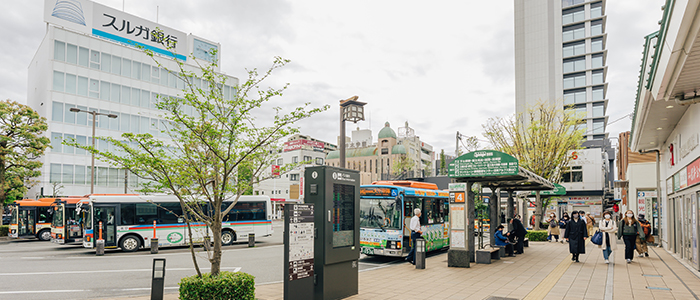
(483, 163)
(558, 190)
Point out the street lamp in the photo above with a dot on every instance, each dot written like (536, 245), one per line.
(350, 110)
(94, 119)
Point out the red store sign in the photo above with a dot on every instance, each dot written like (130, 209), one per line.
(694, 172)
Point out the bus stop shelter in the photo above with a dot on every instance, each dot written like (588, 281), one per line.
(493, 169)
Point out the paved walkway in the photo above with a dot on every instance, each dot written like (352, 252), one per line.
(545, 271)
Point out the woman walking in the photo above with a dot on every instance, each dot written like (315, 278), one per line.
(576, 234)
(553, 228)
(628, 229)
(608, 227)
(642, 243)
(562, 225)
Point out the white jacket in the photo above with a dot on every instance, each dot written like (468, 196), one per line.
(611, 229)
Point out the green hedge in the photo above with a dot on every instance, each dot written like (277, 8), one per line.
(4, 230)
(537, 235)
(228, 285)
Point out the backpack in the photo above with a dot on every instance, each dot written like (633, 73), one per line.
(647, 230)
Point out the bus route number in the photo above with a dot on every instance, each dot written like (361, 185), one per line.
(367, 251)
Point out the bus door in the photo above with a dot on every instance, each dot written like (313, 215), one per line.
(107, 215)
(73, 226)
(26, 221)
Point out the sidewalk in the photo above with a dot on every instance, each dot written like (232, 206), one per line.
(545, 271)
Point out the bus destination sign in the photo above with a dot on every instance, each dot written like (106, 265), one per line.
(483, 163)
(378, 191)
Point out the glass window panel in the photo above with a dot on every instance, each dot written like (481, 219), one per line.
(82, 86)
(81, 118)
(104, 90)
(172, 80)
(145, 72)
(597, 61)
(72, 54)
(597, 77)
(596, 12)
(57, 111)
(55, 175)
(69, 116)
(94, 88)
(114, 122)
(154, 100)
(94, 59)
(598, 126)
(126, 95)
(116, 65)
(154, 127)
(82, 140)
(56, 139)
(596, 29)
(66, 148)
(155, 74)
(136, 70)
(598, 110)
(58, 81)
(134, 124)
(79, 175)
(569, 98)
(580, 65)
(106, 64)
(145, 98)
(180, 83)
(124, 123)
(126, 67)
(598, 93)
(597, 45)
(116, 91)
(114, 177)
(580, 80)
(135, 97)
(59, 50)
(145, 123)
(102, 121)
(163, 76)
(102, 176)
(83, 56)
(70, 83)
(102, 145)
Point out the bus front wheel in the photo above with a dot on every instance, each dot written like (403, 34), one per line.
(44, 235)
(130, 244)
(227, 237)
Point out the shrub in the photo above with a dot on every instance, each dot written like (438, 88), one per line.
(4, 230)
(228, 285)
(537, 235)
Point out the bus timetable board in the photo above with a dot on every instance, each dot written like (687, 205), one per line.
(301, 242)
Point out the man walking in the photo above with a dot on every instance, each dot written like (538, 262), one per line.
(415, 234)
(519, 232)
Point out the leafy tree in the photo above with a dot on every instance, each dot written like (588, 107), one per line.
(443, 169)
(402, 166)
(21, 143)
(215, 153)
(539, 139)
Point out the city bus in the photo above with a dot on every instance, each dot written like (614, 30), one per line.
(128, 221)
(31, 218)
(386, 208)
(66, 224)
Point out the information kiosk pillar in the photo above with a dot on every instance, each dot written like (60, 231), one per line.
(335, 194)
(461, 251)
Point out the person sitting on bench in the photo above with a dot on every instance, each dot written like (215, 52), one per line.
(502, 241)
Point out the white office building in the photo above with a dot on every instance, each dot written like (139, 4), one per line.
(88, 60)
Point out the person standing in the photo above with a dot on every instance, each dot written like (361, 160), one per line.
(501, 240)
(562, 225)
(642, 243)
(519, 232)
(608, 226)
(415, 234)
(590, 224)
(553, 228)
(576, 234)
(628, 229)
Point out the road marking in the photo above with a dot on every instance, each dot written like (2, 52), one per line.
(33, 257)
(235, 269)
(39, 292)
(609, 282)
(542, 289)
(170, 254)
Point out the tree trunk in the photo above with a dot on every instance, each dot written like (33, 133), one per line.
(216, 238)
(2, 211)
(539, 210)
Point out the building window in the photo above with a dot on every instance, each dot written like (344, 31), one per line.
(59, 50)
(294, 177)
(56, 139)
(572, 15)
(58, 81)
(596, 28)
(566, 3)
(295, 159)
(57, 111)
(279, 161)
(598, 110)
(579, 111)
(597, 61)
(598, 126)
(575, 96)
(319, 161)
(596, 9)
(597, 45)
(574, 64)
(573, 174)
(597, 77)
(307, 159)
(55, 173)
(574, 32)
(574, 80)
(574, 49)
(385, 150)
(598, 93)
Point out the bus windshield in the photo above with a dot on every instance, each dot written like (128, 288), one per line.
(380, 213)
(14, 212)
(87, 211)
(58, 217)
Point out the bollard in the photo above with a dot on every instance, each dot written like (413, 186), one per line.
(251, 240)
(154, 246)
(100, 243)
(420, 253)
(158, 279)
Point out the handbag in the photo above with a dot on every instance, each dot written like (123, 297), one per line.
(597, 238)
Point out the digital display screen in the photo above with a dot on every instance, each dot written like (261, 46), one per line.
(376, 191)
(343, 215)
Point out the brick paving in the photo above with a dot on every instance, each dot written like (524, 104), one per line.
(545, 271)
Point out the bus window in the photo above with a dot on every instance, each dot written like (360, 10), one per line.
(45, 214)
(445, 211)
(170, 213)
(128, 214)
(146, 213)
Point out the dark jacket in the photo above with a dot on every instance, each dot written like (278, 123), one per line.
(575, 232)
(500, 239)
(519, 229)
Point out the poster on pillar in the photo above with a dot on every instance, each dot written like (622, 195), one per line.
(457, 217)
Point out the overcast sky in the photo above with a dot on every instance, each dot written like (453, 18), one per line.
(443, 66)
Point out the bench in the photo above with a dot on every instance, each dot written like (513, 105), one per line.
(484, 256)
(526, 242)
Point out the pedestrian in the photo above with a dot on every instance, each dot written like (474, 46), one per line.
(415, 234)
(576, 234)
(532, 222)
(562, 225)
(502, 240)
(608, 226)
(519, 233)
(553, 229)
(628, 229)
(642, 243)
(590, 224)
